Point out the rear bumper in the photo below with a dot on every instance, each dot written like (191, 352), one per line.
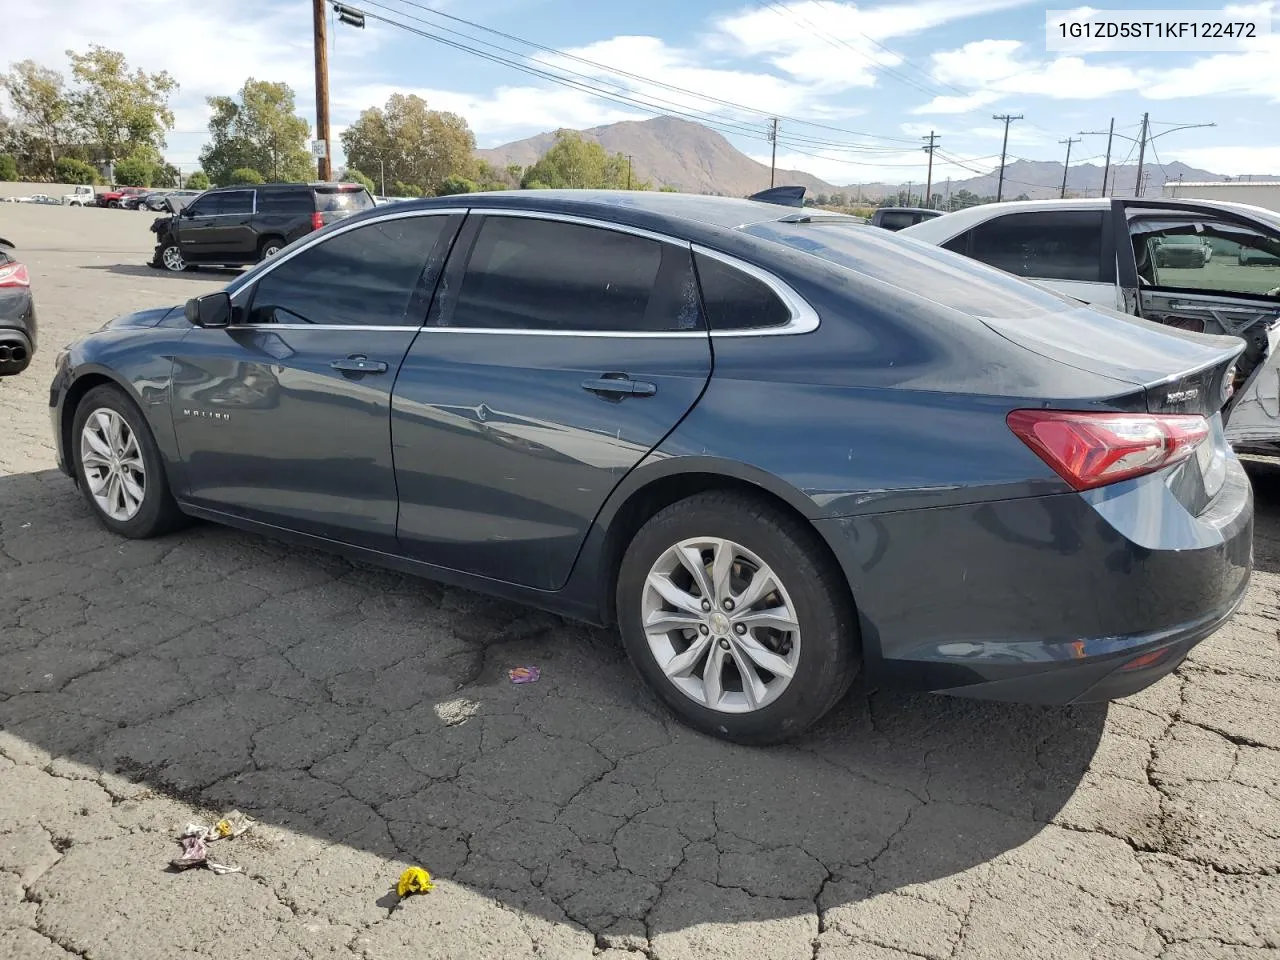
(1046, 600)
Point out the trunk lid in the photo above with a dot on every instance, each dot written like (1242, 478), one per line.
(1178, 371)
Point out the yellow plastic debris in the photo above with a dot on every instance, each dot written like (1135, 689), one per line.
(223, 828)
(414, 880)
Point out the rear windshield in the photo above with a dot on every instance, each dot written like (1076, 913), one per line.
(339, 200)
(917, 268)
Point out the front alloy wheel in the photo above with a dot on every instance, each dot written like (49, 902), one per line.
(113, 466)
(721, 625)
(172, 258)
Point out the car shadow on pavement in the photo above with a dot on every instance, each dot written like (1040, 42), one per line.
(372, 713)
(144, 270)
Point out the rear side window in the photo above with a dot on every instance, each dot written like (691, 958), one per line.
(367, 276)
(531, 274)
(897, 221)
(235, 201)
(286, 203)
(337, 200)
(735, 300)
(1048, 245)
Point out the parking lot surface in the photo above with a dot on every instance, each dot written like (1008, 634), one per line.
(367, 721)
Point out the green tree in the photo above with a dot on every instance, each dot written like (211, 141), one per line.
(575, 163)
(198, 181)
(454, 184)
(165, 175)
(260, 130)
(668, 188)
(401, 189)
(71, 170)
(243, 175)
(355, 176)
(8, 167)
(134, 172)
(416, 145)
(120, 112)
(39, 99)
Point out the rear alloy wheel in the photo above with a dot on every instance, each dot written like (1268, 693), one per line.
(270, 248)
(172, 259)
(731, 611)
(119, 466)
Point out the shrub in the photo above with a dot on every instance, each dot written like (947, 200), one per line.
(406, 190)
(71, 170)
(454, 184)
(8, 167)
(198, 181)
(132, 172)
(245, 175)
(355, 176)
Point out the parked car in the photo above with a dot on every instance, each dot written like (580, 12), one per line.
(156, 201)
(133, 201)
(897, 463)
(1251, 256)
(17, 314)
(40, 198)
(235, 226)
(1181, 251)
(1117, 254)
(899, 218)
(81, 196)
(114, 198)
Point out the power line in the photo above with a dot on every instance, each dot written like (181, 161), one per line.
(1008, 119)
(615, 70)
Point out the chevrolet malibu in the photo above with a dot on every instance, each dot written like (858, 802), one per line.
(773, 447)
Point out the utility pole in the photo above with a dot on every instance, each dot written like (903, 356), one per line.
(1142, 151)
(948, 193)
(1106, 168)
(773, 160)
(628, 171)
(1004, 149)
(928, 189)
(321, 41)
(1066, 164)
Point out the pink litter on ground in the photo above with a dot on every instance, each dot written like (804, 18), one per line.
(524, 674)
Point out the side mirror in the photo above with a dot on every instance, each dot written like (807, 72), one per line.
(210, 310)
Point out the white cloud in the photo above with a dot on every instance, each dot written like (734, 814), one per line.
(960, 104)
(993, 68)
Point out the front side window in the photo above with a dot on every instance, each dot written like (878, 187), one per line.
(367, 277)
(1044, 245)
(1210, 256)
(526, 273)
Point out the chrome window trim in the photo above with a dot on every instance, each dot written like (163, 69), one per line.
(268, 327)
(804, 319)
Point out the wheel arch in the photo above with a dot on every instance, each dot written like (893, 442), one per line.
(85, 381)
(651, 488)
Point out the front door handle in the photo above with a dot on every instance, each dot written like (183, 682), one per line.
(359, 364)
(618, 387)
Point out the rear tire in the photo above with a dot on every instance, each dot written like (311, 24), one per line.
(119, 467)
(706, 633)
(269, 247)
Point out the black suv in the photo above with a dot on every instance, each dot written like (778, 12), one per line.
(897, 218)
(235, 226)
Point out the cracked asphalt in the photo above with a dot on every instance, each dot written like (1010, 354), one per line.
(365, 719)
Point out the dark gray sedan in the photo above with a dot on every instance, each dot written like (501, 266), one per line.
(773, 447)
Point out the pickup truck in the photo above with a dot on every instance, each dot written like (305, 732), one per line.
(81, 196)
(112, 198)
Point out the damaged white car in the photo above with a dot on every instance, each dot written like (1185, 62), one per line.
(1117, 253)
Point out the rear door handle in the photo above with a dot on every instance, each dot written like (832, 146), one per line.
(358, 365)
(620, 387)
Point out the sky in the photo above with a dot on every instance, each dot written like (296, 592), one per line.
(855, 85)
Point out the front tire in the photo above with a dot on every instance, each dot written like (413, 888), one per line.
(119, 467)
(733, 613)
(171, 258)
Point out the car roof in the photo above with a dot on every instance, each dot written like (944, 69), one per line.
(941, 229)
(622, 206)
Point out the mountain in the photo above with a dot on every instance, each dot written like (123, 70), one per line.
(697, 159)
(668, 151)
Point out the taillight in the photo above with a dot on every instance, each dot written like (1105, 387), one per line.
(1094, 449)
(14, 275)
(317, 221)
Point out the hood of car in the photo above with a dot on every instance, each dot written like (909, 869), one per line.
(150, 317)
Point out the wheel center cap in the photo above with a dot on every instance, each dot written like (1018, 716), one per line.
(719, 624)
